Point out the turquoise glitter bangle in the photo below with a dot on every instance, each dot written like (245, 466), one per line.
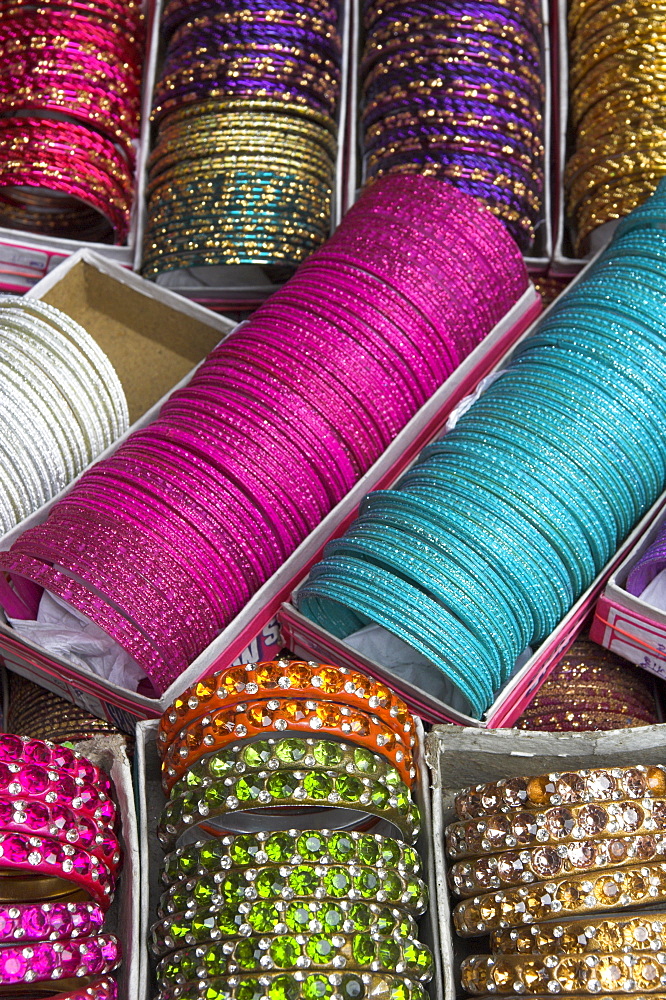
(288, 847)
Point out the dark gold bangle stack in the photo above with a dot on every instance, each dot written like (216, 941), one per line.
(591, 689)
(34, 711)
(242, 169)
(617, 55)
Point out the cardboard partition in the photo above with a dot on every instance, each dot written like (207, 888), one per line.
(123, 707)
(124, 915)
(628, 625)
(150, 802)
(461, 757)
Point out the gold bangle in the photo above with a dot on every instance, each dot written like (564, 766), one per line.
(577, 937)
(569, 896)
(589, 974)
(495, 871)
(558, 787)
(566, 824)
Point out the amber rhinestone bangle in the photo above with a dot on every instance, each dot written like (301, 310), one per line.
(557, 825)
(565, 787)
(581, 974)
(644, 932)
(632, 886)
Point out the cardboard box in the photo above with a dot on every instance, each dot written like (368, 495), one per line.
(123, 707)
(461, 757)
(124, 915)
(539, 256)
(26, 258)
(241, 286)
(628, 625)
(150, 802)
(310, 640)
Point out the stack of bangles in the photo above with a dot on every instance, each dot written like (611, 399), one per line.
(59, 862)
(290, 819)
(246, 106)
(591, 689)
(164, 542)
(500, 526)
(616, 112)
(455, 90)
(69, 103)
(553, 868)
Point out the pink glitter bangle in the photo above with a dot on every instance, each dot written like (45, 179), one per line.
(44, 856)
(49, 921)
(54, 960)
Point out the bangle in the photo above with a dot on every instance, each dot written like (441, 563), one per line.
(49, 921)
(104, 988)
(554, 826)
(575, 937)
(623, 973)
(297, 951)
(494, 871)
(51, 785)
(572, 895)
(305, 881)
(288, 847)
(248, 719)
(300, 986)
(566, 787)
(280, 918)
(295, 677)
(287, 753)
(54, 960)
(67, 869)
(227, 799)
(61, 823)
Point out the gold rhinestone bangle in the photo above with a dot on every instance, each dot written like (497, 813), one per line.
(640, 933)
(581, 974)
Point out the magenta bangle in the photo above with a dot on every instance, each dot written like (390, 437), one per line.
(56, 788)
(53, 960)
(49, 921)
(61, 823)
(46, 856)
(26, 750)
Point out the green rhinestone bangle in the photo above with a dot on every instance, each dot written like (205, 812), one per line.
(298, 951)
(226, 803)
(288, 847)
(307, 881)
(275, 754)
(280, 917)
(299, 986)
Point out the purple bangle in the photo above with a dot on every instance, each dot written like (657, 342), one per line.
(48, 921)
(54, 960)
(651, 563)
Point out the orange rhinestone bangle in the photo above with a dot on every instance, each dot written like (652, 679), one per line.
(295, 678)
(284, 715)
(557, 788)
(519, 829)
(578, 937)
(570, 896)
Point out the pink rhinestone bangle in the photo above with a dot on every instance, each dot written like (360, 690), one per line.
(61, 823)
(45, 856)
(55, 787)
(24, 750)
(49, 921)
(54, 960)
